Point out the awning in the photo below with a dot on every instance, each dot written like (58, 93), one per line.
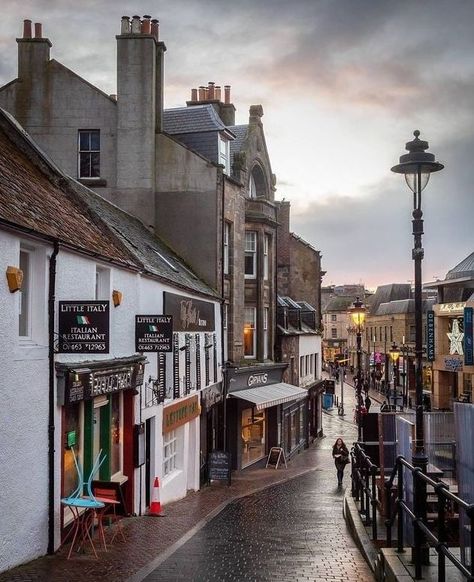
(266, 396)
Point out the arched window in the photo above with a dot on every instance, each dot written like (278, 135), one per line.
(257, 183)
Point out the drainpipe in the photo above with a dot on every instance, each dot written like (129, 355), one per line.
(51, 427)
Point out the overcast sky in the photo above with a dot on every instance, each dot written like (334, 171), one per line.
(343, 84)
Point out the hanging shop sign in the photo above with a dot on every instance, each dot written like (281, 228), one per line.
(451, 307)
(468, 337)
(180, 413)
(84, 327)
(189, 314)
(85, 384)
(211, 395)
(430, 336)
(153, 333)
(453, 364)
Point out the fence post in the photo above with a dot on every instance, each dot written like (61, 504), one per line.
(417, 534)
(362, 494)
(373, 471)
(388, 513)
(367, 494)
(353, 475)
(400, 508)
(441, 531)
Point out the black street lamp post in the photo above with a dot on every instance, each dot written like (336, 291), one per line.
(394, 356)
(417, 165)
(357, 313)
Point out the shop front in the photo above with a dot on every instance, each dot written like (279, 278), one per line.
(315, 411)
(255, 416)
(98, 415)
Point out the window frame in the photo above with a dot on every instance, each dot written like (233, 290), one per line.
(251, 253)
(253, 329)
(333, 332)
(266, 317)
(88, 152)
(223, 153)
(25, 292)
(169, 464)
(266, 257)
(226, 244)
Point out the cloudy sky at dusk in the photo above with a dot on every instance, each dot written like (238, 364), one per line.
(343, 84)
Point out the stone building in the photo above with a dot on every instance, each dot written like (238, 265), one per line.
(453, 366)
(336, 326)
(204, 184)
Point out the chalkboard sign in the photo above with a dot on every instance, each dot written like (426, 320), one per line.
(275, 456)
(218, 466)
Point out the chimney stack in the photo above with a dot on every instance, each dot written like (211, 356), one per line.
(194, 95)
(33, 53)
(227, 94)
(211, 91)
(218, 92)
(26, 28)
(227, 109)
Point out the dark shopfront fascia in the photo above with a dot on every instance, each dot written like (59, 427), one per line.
(97, 400)
(256, 396)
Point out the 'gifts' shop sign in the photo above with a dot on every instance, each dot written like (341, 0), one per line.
(84, 327)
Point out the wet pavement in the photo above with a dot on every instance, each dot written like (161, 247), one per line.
(284, 524)
(288, 532)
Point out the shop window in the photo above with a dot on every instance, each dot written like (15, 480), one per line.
(250, 343)
(170, 452)
(266, 251)
(89, 153)
(252, 435)
(226, 248)
(250, 254)
(72, 439)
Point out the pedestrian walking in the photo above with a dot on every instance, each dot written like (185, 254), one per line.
(341, 458)
(368, 402)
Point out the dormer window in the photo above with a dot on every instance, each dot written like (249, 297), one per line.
(224, 154)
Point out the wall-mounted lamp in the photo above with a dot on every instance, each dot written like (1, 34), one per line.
(14, 278)
(117, 297)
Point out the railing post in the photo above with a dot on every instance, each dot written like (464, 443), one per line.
(388, 512)
(373, 471)
(441, 531)
(367, 494)
(470, 514)
(400, 508)
(353, 474)
(417, 533)
(362, 494)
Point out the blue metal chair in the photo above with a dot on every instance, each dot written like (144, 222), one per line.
(80, 506)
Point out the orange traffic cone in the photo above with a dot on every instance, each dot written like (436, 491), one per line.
(155, 505)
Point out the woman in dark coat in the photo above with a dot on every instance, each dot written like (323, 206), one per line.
(341, 458)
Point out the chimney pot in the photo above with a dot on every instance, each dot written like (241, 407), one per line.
(38, 30)
(146, 25)
(125, 25)
(155, 27)
(227, 94)
(136, 25)
(210, 90)
(217, 92)
(202, 94)
(26, 28)
(194, 94)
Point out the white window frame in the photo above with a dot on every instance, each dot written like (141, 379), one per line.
(251, 250)
(266, 314)
(252, 326)
(266, 251)
(224, 154)
(302, 372)
(25, 292)
(225, 327)
(226, 248)
(89, 152)
(170, 453)
(102, 283)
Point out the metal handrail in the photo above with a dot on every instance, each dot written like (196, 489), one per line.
(362, 467)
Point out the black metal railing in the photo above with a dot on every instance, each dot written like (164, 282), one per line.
(425, 532)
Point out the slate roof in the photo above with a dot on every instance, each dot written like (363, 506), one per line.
(464, 269)
(195, 119)
(240, 132)
(339, 303)
(403, 306)
(388, 293)
(36, 196)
